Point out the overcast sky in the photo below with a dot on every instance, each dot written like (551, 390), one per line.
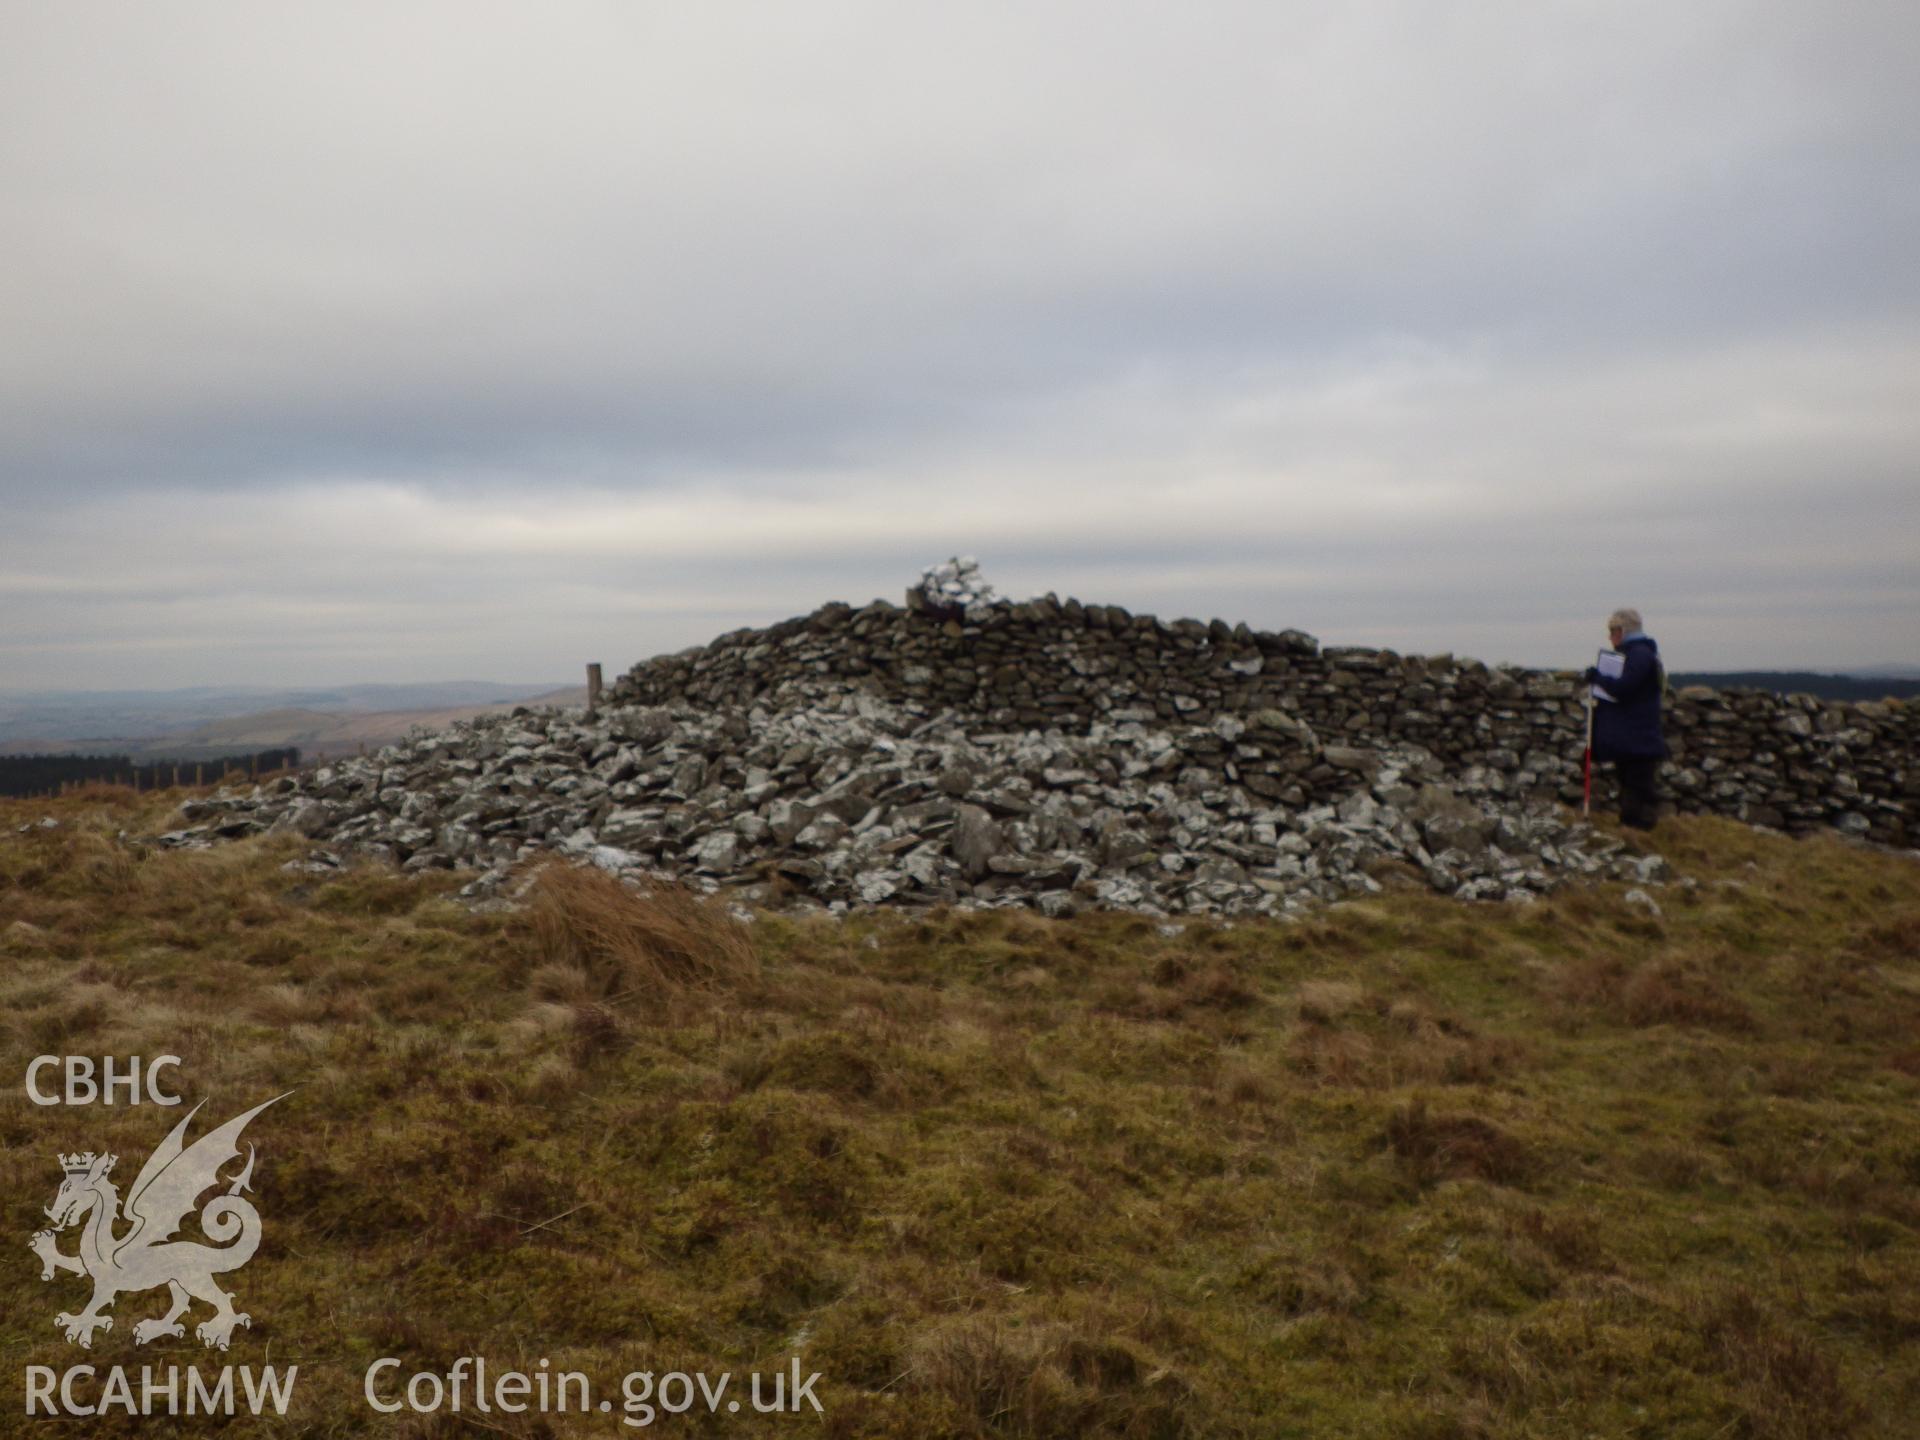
(411, 341)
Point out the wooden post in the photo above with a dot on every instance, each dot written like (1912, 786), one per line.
(593, 688)
(199, 772)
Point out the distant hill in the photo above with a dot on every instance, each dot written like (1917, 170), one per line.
(1801, 682)
(202, 724)
(53, 716)
(320, 734)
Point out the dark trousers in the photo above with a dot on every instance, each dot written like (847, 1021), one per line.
(1639, 803)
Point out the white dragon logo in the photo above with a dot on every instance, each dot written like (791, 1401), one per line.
(162, 1196)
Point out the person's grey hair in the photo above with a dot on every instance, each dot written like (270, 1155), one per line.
(1624, 619)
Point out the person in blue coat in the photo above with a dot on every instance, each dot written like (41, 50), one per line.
(1626, 727)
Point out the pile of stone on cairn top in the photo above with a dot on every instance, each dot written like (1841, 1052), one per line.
(953, 590)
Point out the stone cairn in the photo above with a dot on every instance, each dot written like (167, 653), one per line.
(970, 751)
(953, 590)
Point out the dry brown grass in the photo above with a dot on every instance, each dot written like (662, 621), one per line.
(1179, 986)
(1674, 992)
(1000, 1176)
(1436, 1147)
(1322, 1002)
(1346, 1039)
(1331, 1056)
(1040, 1382)
(589, 932)
(1790, 1388)
(1570, 1235)
(1671, 989)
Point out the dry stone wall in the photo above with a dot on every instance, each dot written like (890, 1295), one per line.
(1793, 762)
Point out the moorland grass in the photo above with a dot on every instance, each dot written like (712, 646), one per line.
(1404, 1168)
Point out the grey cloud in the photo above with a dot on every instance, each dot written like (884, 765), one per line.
(1623, 295)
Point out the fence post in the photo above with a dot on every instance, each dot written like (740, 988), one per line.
(593, 689)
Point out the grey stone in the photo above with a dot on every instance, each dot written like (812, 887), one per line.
(302, 817)
(873, 887)
(975, 840)
(719, 853)
(1640, 900)
(1348, 757)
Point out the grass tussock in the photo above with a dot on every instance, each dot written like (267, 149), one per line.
(1401, 1168)
(1436, 1147)
(592, 934)
(1789, 1386)
(1048, 1382)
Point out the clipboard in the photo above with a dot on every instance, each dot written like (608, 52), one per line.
(1611, 664)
